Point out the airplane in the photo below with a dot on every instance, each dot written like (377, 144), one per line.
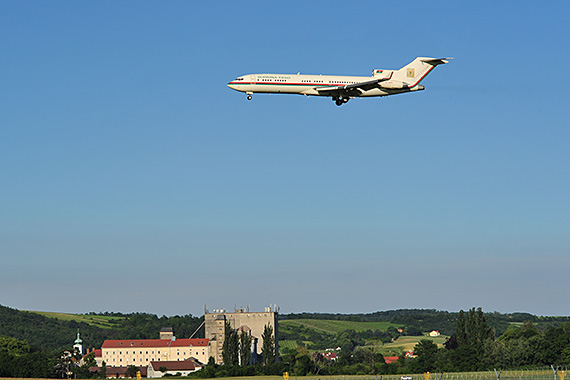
(341, 88)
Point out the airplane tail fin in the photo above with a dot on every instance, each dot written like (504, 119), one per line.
(414, 72)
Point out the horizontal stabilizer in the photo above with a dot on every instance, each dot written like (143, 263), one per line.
(436, 61)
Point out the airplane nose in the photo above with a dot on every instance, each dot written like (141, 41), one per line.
(232, 86)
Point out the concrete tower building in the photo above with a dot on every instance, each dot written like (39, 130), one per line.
(240, 319)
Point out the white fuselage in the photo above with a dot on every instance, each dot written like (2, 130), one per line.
(303, 84)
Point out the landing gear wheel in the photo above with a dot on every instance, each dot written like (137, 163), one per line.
(249, 97)
(340, 101)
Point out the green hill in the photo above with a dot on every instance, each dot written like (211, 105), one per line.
(103, 321)
(335, 326)
(57, 331)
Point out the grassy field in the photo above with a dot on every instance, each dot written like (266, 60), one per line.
(292, 377)
(539, 374)
(406, 343)
(287, 344)
(94, 320)
(334, 327)
(545, 374)
(403, 343)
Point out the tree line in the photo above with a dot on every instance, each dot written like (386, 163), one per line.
(421, 320)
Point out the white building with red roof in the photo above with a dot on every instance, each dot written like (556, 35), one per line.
(141, 352)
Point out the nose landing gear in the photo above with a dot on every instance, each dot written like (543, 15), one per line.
(249, 97)
(340, 101)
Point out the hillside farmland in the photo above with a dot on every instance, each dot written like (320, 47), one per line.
(334, 326)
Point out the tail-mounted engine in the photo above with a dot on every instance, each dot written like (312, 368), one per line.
(393, 84)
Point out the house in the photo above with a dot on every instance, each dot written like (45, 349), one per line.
(434, 333)
(391, 359)
(179, 368)
(331, 356)
(328, 355)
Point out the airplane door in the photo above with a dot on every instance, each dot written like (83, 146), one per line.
(253, 79)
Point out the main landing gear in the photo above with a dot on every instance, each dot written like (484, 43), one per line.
(340, 101)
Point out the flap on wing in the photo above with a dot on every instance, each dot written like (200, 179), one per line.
(356, 87)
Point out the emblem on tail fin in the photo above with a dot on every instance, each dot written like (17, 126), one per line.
(411, 73)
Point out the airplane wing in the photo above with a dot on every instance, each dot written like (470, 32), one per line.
(351, 89)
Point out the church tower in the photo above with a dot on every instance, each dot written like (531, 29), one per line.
(78, 346)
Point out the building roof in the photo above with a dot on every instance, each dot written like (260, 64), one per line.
(98, 353)
(330, 355)
(114, 371)
(390, 359)
(127, 343)
(184, 365)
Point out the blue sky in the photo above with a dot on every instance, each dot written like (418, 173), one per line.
(133, 179)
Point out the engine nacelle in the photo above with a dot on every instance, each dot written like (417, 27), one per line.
(393, 84)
